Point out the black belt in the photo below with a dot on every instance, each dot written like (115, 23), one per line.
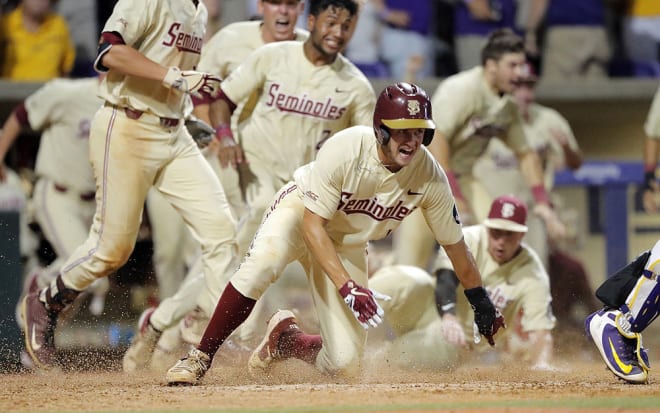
(136, 114)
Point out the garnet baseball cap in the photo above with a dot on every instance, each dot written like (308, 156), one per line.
(507, 213)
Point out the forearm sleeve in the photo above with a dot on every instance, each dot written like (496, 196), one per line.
(445, 291)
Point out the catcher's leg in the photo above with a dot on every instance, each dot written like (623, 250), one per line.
(617, 331)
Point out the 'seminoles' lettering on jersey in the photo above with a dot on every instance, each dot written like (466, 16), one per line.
(303, 105)
(186, 42)
(372, 208)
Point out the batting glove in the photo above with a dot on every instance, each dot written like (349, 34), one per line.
(199, 84)
(487, 319)
(201, 132)
(362, 303)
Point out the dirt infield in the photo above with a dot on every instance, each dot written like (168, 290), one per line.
(294, 387)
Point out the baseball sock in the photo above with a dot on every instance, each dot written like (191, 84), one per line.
(300, 345)
(232, 309)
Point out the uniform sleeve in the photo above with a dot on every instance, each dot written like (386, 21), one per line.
(45, 105)
(131, 18)
(249, 76)
(451, 107)
(652, 124)
(439, 210)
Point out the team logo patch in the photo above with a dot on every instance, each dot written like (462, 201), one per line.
(508, 210)
(413, 107)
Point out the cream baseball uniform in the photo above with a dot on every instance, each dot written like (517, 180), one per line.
(499, 169)
(520, 289)
(464, 101)
(363, 201)
(222, 54)
(652, 124)
(63, 197)
(130, 153)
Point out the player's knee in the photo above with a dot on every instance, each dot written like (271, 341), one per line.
(345, 362)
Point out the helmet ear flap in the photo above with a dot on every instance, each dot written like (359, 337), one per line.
(428, 136)
(384, 135)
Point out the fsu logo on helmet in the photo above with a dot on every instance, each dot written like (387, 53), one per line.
(413, 107)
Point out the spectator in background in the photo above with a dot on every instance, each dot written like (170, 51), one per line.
(35, 43)
(641, 34)
(576, 44)
(80, 16)
(406, 35)
(363, 48)
(214, 8)
(651, 148)
(473, 21)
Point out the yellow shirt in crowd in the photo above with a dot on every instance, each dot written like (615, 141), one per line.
(35, 56)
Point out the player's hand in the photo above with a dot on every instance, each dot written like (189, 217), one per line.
(487, 318)
(556, 228)
(650, 191)
(452, 331)
(362, 303)
(229, 152)
(200, 84)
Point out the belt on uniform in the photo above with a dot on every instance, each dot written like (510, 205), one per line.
(136, 114)
(85, 196)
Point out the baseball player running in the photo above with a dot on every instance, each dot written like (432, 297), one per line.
(307, 91)
(363, 183)
(631, 298)
(650, 188)
(478, 106)
(432, 322)
(222, 54)
(137, 141)
(550, 136)
(63, 196)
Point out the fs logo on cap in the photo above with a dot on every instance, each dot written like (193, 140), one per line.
(508, 210)
(413, 107)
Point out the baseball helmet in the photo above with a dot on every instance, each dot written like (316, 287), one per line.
(403, 106)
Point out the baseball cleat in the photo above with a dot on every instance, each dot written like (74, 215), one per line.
(267, 351)
(189, 370)
(142, 346)
(619, 352)
(39, 331)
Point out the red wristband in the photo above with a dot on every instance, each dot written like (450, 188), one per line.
(223, 131)
(649, 168)
(540, 194)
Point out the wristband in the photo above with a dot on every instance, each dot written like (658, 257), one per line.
(223, 131)
(540, 194)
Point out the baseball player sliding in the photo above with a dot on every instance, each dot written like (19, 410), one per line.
(433, 323)
(363, 183)
(306, 92)
(63, 196)
(477, 107)
(138, 140)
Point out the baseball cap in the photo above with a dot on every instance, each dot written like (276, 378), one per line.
(507, 213)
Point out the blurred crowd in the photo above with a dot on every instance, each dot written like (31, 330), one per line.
(398, 39)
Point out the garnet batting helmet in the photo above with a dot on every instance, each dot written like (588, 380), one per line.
(403, 106)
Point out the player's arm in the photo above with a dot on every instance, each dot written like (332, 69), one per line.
(488, 320)
(361, 300)
(115, 54)
(445, 301)
(12, 127)
(220, 111)
(540, 349)
(650, 186)
(530, 167)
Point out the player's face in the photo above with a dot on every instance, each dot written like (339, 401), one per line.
(524, 95)
(401, 148)
(280, 17)
(330, 32)
(36, 8)
(506, 71)
(503, 245)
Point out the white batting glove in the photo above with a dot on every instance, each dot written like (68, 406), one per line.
(199, 84)
(362, 303)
